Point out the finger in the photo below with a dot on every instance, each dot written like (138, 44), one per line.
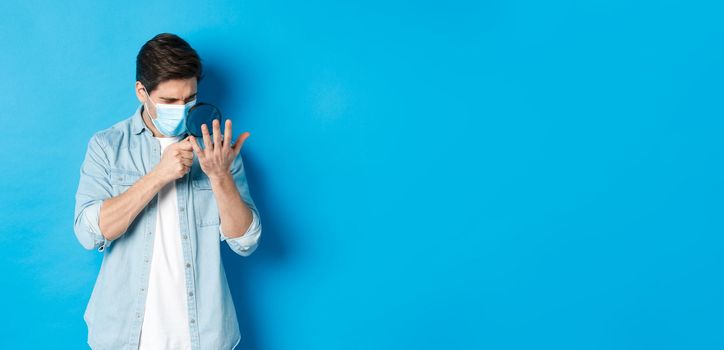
(207, 138)
(186, 161)
(227, 133)
(196, 147)
(184, 144)
(240, 142)
(217, 135)
(187, 154)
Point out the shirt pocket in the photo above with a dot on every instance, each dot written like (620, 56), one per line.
(205, 208)
(122, 179)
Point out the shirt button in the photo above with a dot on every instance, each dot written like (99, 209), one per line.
(191, 294)
(141, 289)
(188, 265)
(192, 320)
(185, 236)
(138, 315)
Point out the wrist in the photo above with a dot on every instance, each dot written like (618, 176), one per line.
(157, 178)
(220, 179)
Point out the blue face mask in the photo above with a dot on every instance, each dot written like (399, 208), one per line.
(170, 119)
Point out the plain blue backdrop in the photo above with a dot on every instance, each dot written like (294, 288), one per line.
(454, 175)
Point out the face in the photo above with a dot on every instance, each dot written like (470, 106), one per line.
(177, 91)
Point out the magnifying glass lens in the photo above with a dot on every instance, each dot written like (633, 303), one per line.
(203, 113)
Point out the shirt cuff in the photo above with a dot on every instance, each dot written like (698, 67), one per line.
(248, 242)
(91, 217)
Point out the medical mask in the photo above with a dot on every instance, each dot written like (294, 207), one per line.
(170, 119)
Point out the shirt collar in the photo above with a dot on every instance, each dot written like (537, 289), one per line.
(137, 124)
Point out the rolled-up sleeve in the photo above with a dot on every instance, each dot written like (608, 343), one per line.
(93, 187)
(249, 241)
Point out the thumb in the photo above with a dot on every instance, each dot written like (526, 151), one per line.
(240, 142)
(185, 143)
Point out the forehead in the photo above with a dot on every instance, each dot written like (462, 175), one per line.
(176, 88)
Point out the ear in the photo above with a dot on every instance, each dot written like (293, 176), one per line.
(140, 94)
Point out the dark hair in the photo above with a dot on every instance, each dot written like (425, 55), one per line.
(166, 57)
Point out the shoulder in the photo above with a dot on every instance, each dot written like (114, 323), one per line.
(112, 135)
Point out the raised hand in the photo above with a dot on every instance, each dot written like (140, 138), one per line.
(218, 154)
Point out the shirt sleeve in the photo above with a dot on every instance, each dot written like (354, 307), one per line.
(249, 241)
(94, 187)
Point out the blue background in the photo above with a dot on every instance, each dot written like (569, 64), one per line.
(463, 175)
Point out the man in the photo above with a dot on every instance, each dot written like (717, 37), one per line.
(158, 213)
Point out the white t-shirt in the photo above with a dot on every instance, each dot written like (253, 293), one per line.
(165, 323)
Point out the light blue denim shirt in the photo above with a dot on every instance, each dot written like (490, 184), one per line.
(116, 158)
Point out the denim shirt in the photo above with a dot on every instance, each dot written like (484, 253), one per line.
(115, 159)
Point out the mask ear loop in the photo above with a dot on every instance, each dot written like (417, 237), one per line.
(148, 98)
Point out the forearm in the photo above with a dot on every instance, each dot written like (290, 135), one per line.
(234, 213)
(117, 213)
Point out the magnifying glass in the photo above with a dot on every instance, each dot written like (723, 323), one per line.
(203, 113)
